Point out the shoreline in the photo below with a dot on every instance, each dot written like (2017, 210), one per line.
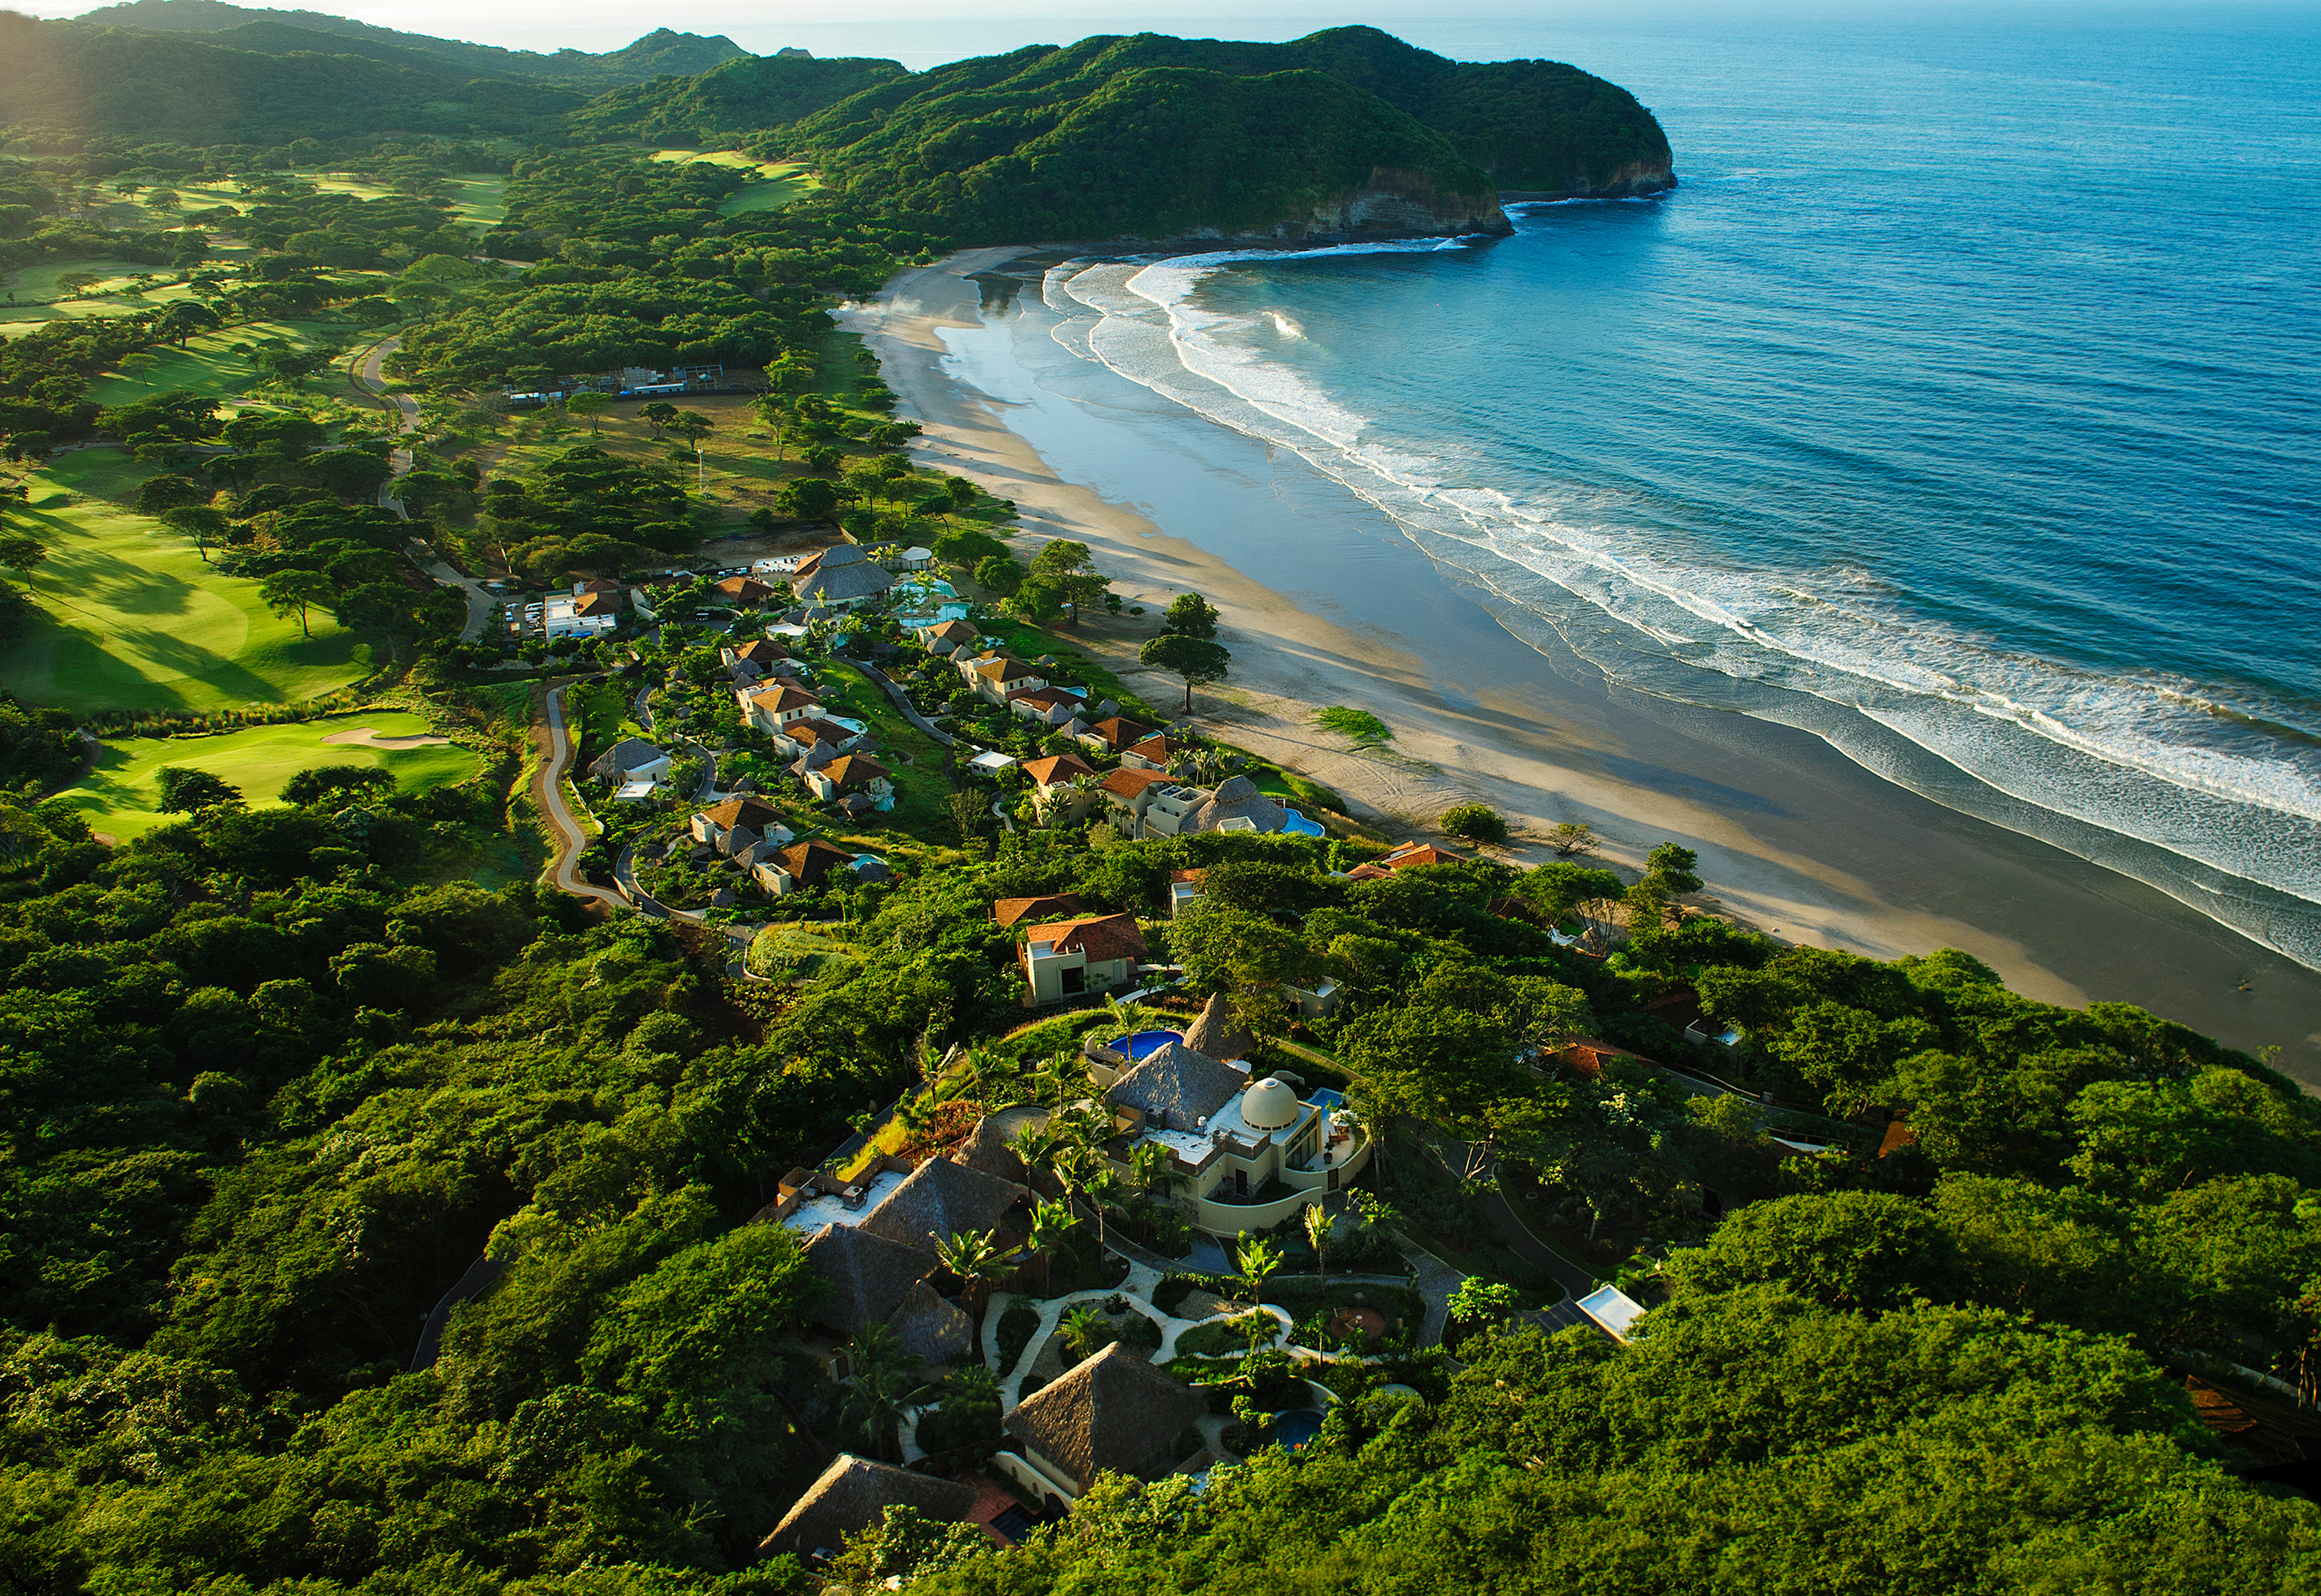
(1325, 601)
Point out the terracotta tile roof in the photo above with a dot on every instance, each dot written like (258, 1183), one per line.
(597, 604)
(1117, 734)
(742, 811)
(950, 632)
(1046, 698)
(1128, 784)
(1157, 748)
(807, 862)
(1193, 876)
(1008, 910)
(1369, 872)
(765, 651)
(853, 769)
(1099, 937)
(1057, 767)
(1420, 853)
(780, 698)
(743, 590)
(1590, 1055)
(813, 728)
(1116, 1412)
(1003, 670)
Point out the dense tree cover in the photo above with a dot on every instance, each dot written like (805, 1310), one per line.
(70, 78)
(1048, 143)
(1753, 1440)
(586, 510)
(38, 748)
(735, 99)
(265, 1106)
(657, 54)
(639, 269)
(1155, 136)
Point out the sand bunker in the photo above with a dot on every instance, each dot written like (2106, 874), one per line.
(364, 737)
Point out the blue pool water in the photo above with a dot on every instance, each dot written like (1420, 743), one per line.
(1143, 1043)
(1298, 825)
(1953, 400)
(1327, 1097)
(1294, 1429)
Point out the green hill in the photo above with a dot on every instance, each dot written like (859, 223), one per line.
(76, 78)
(743, 96)
(657, 54)
(1153, 153)
(1533, 126)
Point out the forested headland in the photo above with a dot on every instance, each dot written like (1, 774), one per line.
(1944, 1288)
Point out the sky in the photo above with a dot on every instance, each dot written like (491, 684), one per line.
(922, 33)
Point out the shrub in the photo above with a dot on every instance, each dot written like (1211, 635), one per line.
(1475, 823)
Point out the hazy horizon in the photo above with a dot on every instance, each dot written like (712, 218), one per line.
(866, 27)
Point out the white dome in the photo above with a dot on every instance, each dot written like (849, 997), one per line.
(1269, 1105)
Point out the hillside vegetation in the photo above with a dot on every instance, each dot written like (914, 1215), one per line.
(741, 96)
(1532, 126)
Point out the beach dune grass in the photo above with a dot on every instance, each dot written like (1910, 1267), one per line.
(121, 794)
(130, 617)
(1359, 725)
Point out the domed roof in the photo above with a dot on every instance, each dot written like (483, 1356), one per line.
(1269, 1105)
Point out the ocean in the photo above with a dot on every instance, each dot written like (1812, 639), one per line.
(1959, 408)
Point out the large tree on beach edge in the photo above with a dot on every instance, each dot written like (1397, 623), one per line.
(1195, 660)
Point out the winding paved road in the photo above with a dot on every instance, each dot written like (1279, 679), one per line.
(369, 372)
(548, 783)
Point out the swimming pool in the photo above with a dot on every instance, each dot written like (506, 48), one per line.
(1143, 1043)
(1295, 824)
(1325, 1097)
(1295, 1427)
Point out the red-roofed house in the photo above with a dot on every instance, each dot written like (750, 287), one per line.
(1154, 753)
(1070, 957)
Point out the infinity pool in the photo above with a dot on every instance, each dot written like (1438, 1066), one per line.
(1143, 1043)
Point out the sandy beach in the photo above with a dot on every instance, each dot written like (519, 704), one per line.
(1326, 602)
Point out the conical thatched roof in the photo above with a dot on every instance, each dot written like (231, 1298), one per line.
(939, 1199)
(853, 1494)
(1217, 1034)
(932, 1330)
(1115, 1411)
(987, 1149)
(1177, 1086)
(868, 1275)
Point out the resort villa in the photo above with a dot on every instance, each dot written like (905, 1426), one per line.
(1072, 957)
(1113, 1413)
(1251, 1152)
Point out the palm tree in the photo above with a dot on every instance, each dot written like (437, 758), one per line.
(1051, 1223)
(1082, 1328)
(1257, 1258)
(1035, 1143)
(975, 1258)
(1318, 1232)
(885, 1387)
(1153, 1168)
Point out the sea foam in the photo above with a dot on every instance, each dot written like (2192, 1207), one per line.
(2145, 756)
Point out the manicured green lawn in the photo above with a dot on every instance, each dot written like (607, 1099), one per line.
(921, 787)
(207, 364)
(132, 618)
(779, 183)
(120, 793)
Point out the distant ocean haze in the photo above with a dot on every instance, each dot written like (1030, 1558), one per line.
(1959, 406)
